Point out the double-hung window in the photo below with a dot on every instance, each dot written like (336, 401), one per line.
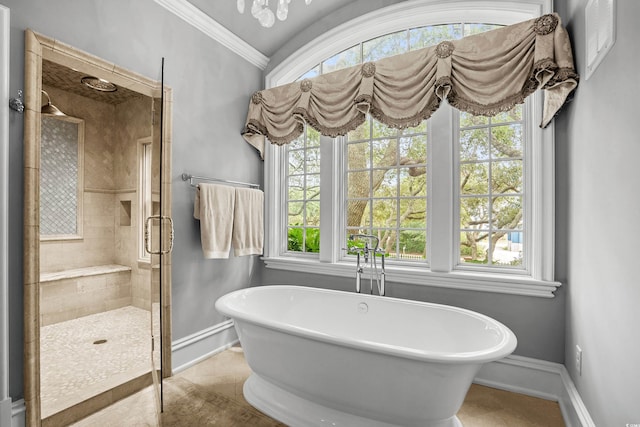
(456, 200)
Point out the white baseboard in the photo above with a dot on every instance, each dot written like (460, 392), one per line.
(538, 378)
(194, 348)
(571, 403)
(5, 412)
(18, 413)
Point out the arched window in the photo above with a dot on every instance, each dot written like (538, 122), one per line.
(457, 200)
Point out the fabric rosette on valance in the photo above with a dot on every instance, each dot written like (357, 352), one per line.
(482, 74)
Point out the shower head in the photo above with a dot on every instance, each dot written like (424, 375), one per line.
(49, 109)
(98, 84)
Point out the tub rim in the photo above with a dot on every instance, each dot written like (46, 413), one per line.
(503, 348)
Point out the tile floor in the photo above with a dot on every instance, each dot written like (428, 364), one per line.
(210, 394)
(75, 364)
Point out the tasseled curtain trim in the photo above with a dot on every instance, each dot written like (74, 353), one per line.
(483, 74)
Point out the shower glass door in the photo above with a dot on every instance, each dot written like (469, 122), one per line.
(159, 241)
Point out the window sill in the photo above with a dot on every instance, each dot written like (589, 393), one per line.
(473, 281)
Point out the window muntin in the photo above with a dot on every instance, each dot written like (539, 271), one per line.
(386, 187)
(491, 189)
(303, 193)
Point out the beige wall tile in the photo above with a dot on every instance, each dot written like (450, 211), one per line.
(57, 289)
(99, 124)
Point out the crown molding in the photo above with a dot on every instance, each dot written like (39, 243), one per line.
(209, 26)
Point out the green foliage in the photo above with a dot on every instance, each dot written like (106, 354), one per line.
(312, 242)
(413, 241)
(295, 240)
(476, 261)
(353, 245)
(516, 262)
(300, 241)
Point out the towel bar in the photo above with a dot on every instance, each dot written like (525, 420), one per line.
(191, 178)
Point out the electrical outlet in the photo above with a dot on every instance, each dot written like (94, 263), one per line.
(578, 360)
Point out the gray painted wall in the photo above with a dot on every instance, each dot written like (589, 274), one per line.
(599, 207)
(211, 88)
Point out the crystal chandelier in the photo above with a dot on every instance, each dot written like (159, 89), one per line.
(261, 11)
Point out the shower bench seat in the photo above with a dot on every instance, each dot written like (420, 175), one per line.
(83, 272)
(73, 293)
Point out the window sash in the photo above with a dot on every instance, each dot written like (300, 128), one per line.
(367, 225)
(525, 123)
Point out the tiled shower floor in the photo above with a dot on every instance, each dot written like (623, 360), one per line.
(75, 365)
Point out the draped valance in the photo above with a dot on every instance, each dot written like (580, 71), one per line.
(482, 74)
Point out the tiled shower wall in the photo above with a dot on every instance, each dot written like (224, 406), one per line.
(96, 247)
(133, 123)
(110, 199)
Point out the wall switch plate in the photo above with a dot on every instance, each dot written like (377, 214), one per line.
(578, 360)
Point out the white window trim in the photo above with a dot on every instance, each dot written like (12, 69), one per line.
(539, 279)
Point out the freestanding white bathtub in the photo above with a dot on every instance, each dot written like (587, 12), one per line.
(332, 358)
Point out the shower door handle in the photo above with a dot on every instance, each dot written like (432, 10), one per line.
(147, 239)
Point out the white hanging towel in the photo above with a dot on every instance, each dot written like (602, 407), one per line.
(248, 230)
(214, 206)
